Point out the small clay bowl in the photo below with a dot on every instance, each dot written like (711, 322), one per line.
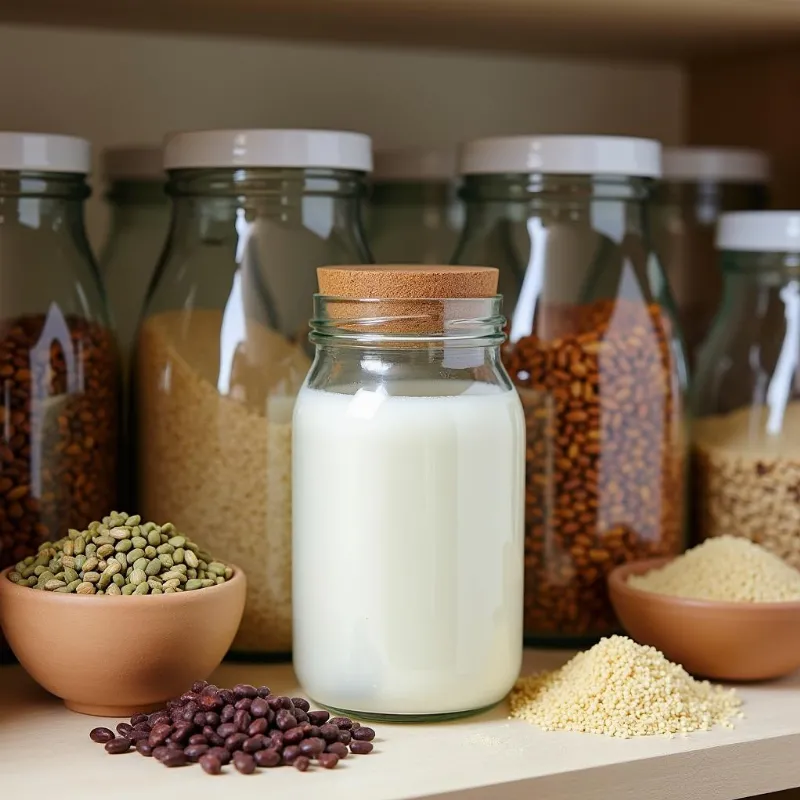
(111, 656)
(710, 639)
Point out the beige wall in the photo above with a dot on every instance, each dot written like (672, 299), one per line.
(124, 88)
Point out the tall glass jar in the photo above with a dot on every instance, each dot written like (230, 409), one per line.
(699, 184)
(414, 213)
(222, 349)
(746, 396)
(140, 214)
(58, 360)
(408, 480)
(596, 357)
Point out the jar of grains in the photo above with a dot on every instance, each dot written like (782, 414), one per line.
(699, 184)
(414, 214)
(223, 344)
(409, 447)
(746, 397)
(58, 359)
(140, 213)
(595, 353)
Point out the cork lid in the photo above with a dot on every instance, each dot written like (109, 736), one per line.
(407, 281)
(409, 300)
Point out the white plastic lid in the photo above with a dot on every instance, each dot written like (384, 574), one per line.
(268, 148)
(134, 163)
(759, 231)
(563, 155)
(416, 164)
(721, 164)
(45, 152)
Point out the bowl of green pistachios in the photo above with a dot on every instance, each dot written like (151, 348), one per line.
(121, 616)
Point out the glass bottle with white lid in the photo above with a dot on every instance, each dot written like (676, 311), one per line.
(408, 485)
(699, 184)
(595, 352)
(414, 213)
(140, 213)
(58, 358)
(223, 347)
(746, 394)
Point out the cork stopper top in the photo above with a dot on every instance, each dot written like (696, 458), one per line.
(407, 281)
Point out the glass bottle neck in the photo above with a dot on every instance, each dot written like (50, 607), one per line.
(327, 202)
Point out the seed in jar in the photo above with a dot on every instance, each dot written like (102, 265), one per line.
(745, 481)
(182, 733)
(728, 569)
(623, 689)
(605, 458)
(58, 468)
(119, 576)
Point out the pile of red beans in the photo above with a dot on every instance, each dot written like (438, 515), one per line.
(246, 726)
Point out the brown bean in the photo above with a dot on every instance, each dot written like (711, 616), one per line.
(101, 735)
(244, 763)
(360, 748)
(194, 751)
(338, 748)
(175, 758)
(267, 758)
(301, 763)
(328, 760)
(118, 745)
(211, 764)
(364, 734)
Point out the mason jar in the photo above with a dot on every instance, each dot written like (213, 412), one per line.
(58, 359)
(595, 352)
(408, 482)
(414, 213)
(699, 184)
(746, 396)
(140, 214)
(223, 345)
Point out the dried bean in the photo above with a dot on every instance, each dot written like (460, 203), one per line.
(293, 735)
(344, 737)
(244, 763)
(605, 457)
(118, 745)
(361, 748)
(330, 733)
(364, 734)
(257, 726)
(259, 707)
(318, 717)
(267, 758)
(175, 758)
(345, 723)
(338, 748)
(211, 764)
(301, 763)
(328, 760)
(290, 753)
(194, 751)
(144, 748)
(101, 735)
(221, 753)
(301, 703)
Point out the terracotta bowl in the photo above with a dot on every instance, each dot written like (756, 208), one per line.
(725, 641)
(113, 656)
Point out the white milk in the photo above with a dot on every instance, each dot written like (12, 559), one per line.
(408, 547)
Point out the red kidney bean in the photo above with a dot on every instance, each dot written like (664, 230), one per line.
(364, 734)
(328, 760)
(213, 737)
(330, 733)
(285, 720)
(312, 747)
(138, 719)
(253, 744)
(221, 753)
(197, 738)
(227, 713)
(235, 741)
(301, 703)
(293, 735)
(159, 734)
(124, 728)
(301, 763)
(118, 745)
(198, 686)
(267, 758)
(318, 717)
(344, 737)
(194, 751)
(213, 719)
(243, 704)
(360, 748)
(175, 758)
(244, 763)
(338, 748)
(101, 735)
(226, 729)
(257, 727)
(345, 723)
(143, 748)
(211, 764)
(263, 691)
(259, 707)
(242, 720)
(290, 753)
(227, 696)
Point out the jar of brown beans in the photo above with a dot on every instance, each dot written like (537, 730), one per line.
(58, 362)
(595, 353)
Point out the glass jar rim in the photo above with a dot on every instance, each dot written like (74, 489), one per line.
(407, 322)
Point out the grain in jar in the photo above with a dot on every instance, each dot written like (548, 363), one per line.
(746, 476)
(222, 347)
(596, 357)
(58, 359)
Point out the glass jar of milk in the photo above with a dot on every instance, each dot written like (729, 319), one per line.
(408, 481)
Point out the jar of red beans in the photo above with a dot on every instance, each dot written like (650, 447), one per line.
(58, 359)
(595, 353)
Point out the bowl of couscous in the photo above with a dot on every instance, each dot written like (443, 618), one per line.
(728, 609)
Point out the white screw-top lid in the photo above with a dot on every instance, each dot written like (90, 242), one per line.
(416, 164)
(134, 163)
(44, 152)
(562, 155)
(721, 164)
(268, 148)
(759, 231)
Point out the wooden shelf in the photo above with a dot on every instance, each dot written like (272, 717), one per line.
(485, 756)
(615, 27)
